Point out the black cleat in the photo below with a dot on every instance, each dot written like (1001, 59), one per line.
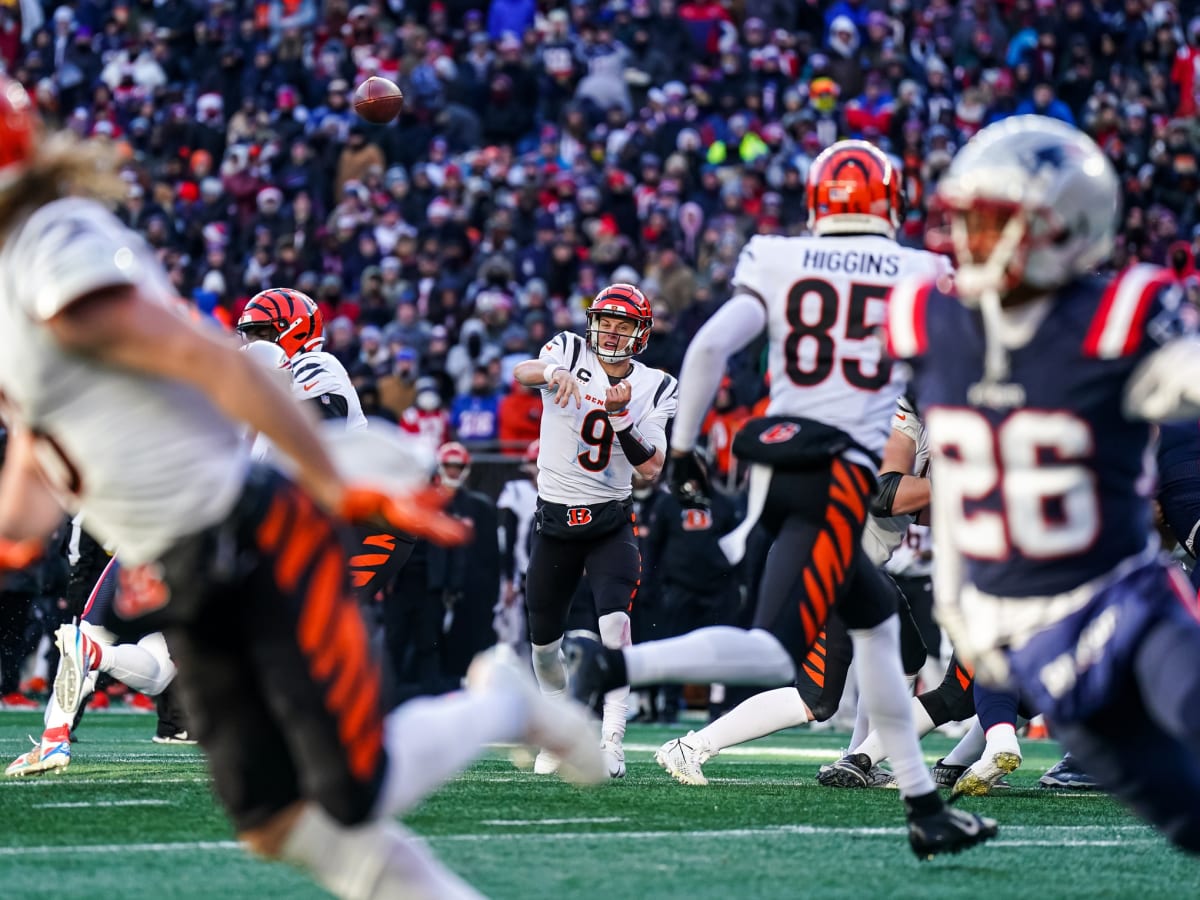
(851, 771)
(948, 831)
(592, 670)
(1067, 774)
(946, 775)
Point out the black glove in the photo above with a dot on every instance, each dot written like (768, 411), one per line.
(689, 482)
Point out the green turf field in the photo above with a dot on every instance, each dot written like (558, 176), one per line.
(139, 821)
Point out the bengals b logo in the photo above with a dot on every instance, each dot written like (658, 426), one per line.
(578, 515)
(777, 434)
(697, 520)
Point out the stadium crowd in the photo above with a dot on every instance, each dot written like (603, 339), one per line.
(548, 149)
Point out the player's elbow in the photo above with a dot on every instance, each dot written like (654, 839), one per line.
(530, 373)
(652, 468)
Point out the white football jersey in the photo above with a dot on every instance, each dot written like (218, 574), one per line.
(825, 299)
(520, 496)
(317, 375)
(146, 461)
(581, 460)
(881, 537)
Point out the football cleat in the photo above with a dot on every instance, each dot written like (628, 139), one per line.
(985, 775)
(1067, 774)
(553, 723)
(178, 737)
(46, 755)
(17, 700)
(948, 831)
(683, 757)
(545, 763)
(590, 673)
(614, 756)
(946, 775)
(851, 771)
(879, 777)
(78, 658)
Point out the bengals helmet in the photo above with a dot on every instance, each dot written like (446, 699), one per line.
(453, 454)
(622, 301)
(286, 317)
(853, 188)
(18, 127)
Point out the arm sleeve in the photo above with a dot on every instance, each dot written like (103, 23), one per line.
(330, 406)
(733, 326)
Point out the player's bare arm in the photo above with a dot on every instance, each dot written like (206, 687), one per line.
(900, 493)
(536, 373)
(119, 326)
(29, 510)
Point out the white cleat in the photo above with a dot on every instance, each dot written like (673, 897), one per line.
(985, 774)
(45, 756)
(614, 756)
(555, 723)
(683, 757)
(74, 666)
(545, 763)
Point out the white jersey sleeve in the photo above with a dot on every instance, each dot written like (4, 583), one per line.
(317, 375)
(72, 248)
(564, 349)
(882, 536)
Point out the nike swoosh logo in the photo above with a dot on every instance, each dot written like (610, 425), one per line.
(901, 416)
(309, 387)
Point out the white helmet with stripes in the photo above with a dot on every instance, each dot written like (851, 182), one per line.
(1050, 192)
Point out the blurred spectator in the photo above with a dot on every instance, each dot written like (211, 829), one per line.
(475, 416)
(520, 414)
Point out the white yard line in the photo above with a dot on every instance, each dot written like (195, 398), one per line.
(602, 820)
(68, 781)
(1050, 836)
(86, 804)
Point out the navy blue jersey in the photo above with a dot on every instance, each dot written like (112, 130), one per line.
(1044, 479)
(1179, 480)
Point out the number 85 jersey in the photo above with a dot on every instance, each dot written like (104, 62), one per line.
(580, 460)
(825, 298)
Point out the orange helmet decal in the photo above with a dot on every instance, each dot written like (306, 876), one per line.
(294, 319)
(853, 188)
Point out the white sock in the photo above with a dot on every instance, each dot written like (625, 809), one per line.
(548, 667)
(882, 687)
(615, 633)
(862, 724)
(372, 861)
(872, 744)
(145, 666)
(757, 717)
(1002, 738)
(718, 653)
(429, 740)
(969, 747)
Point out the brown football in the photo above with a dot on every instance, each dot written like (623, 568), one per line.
(378, 100)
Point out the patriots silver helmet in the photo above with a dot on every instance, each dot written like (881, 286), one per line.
(1055, 193)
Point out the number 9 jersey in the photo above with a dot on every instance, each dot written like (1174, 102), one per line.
(580, 459)
(825, 298)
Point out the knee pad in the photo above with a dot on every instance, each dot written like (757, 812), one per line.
(614, 630)
(548, 667)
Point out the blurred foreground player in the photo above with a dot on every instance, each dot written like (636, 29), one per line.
(1038, 381)
(127, 412)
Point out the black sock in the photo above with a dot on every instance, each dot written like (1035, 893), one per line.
(923, 805)
(617, 675)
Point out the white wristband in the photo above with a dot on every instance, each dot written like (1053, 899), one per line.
(550, 370)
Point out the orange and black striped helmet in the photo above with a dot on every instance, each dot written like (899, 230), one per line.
(623, 301)
(286, 317)
(853, 188)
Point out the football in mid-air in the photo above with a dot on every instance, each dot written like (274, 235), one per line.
(378, 100)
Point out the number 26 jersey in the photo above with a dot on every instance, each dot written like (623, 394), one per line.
(580, 460)
(825, 298)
